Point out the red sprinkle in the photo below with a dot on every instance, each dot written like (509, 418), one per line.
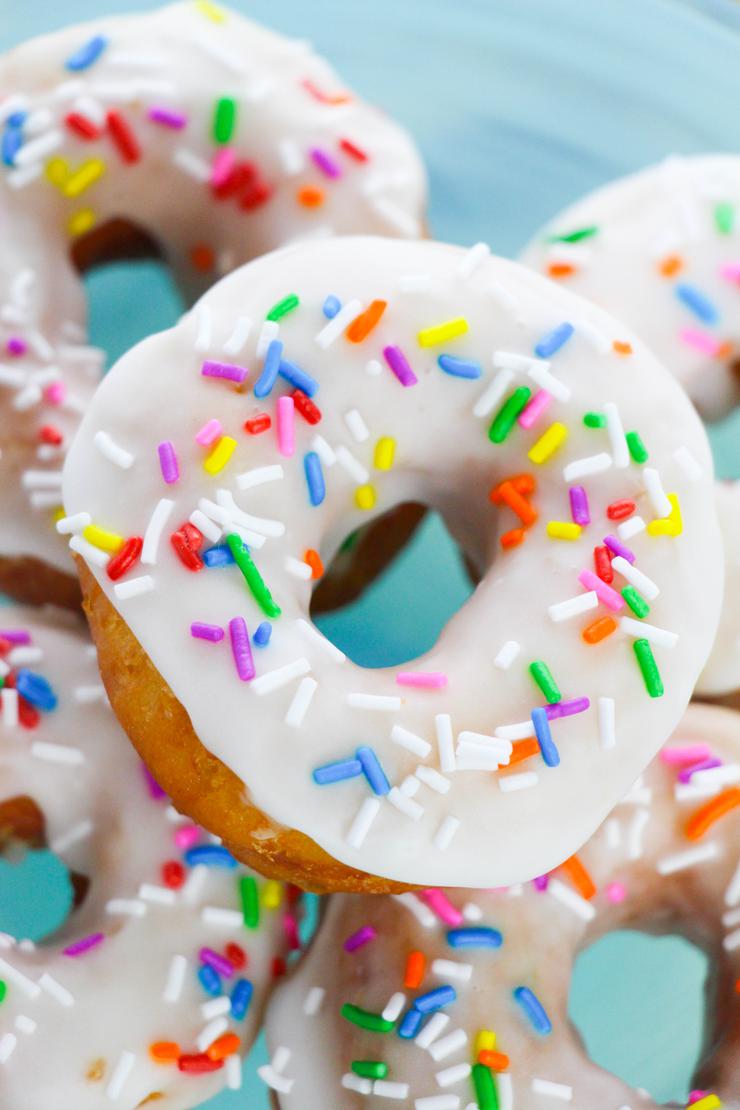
(186, 546)
(603, 564)
(126, 558)
(123, 137)
(353, 150)
(83, 127)
(279, 967)
(236, 955)
(258, 424)
(255, 196)
(241, 176)
(620, 510)
(28, 715)
(310, 412)
(48, 433)
(198, 1062)
(173, 874)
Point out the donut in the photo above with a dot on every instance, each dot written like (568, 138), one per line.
(442, 1000)
(659, 249)
(153, 988)
(188, 133)
(308, 766)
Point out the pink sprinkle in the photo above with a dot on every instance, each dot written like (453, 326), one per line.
(707, 344)
(15, 635)
(400, 366)
(697, 1096)
(286, 426)
(187, 836)
(325, 163)
(16, 346)
(687, 773)
(202, 631)
(361, 937)
(438, 901)
(541, 882)
(686, 754)
(428, 680)
(55, 393)
(168, 461)
(241, 649)
(730, 271)
(153, 786)
(606, 594)
(209, 433)
(616, 892)
(81, 946)
(218, 962)
(226, 370)
(534, 409)
(290, 925)
(223, 167)
(168, 117)
(579, 509)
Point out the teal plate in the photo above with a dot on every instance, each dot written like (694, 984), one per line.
(519, 106)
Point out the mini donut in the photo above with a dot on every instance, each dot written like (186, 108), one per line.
(189, 133)
(153, 988)
(309, 766)
(454, 999)
(660, 250)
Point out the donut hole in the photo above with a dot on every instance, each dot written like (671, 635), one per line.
(640, 1002)
(392, 587)
(37, 890)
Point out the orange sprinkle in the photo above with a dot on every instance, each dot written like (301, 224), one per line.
(517, 503)
(579, 876)
(314, 561)
(512, 538)
(164, 1052)
(415, 967)
(223, 1046)
(203, 258)
(724, 350)
(363, 324)
(621, 347)
(671, 265)
(599, 630)
(499, 1061)
(560, 270)
(524, 484)
(521, 750)
(711, 812)
(310, 196)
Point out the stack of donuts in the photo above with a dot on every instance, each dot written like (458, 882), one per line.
(473, 818)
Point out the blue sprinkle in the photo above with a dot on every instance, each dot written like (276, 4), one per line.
(36, 690)
(410, 1024)
(262, 634)
(268, 377)
(435, 1000)
(550, 753)
(698, 302)
(534, 1010)
(460, 367)
(241, 996)
(212, 855)
(475, 936)
(87, 54)
(551, 343)
(337, 772)
(314, 478)
(17, 119)
(219, 556)
(11, 143)
(331, 306)
(209, 980)
(373, 771)
(298, 378)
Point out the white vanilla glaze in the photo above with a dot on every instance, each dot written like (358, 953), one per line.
(682, 216)
(182, 59)
(68, 1023)
(645, 879)
(443, 456)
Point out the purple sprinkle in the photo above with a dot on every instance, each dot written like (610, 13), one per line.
(153, 786)
(399, 364)
(218, 962)
(15, 635)
(16, 346)
(362, 936)
(579, 505)
(168, 117)
(241, 648)
(703, 765)
(541, 882)
(618, 548)
(81, 946)
(566, 708)
(168, 461)
(203, 631)
(227, 370)
(325, 163)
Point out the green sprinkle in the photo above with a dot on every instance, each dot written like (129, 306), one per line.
(252, 576)
(636, 601)
(540, 672)
(724, 217)
(3, 989)
(638, 451)
(224, 119)
(649, 668)
(282, 308)
(374, 1023)
(577, 236)
(250, 901)
(594, 420)
(485, 1088)
(370, 1069)
(505, 418)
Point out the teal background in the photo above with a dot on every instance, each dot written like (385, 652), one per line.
(518, 106)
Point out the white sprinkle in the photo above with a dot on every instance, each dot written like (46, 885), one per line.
(281, 676)
(732, 894)
(615, 430)
(12, 377)
(396, 217)
(297, 568)
(175, 979)
(429, 1033)
(27, 398)
(635, 577)
(204, 328)
(422, 913)
(520, 731)
(360, 827)
(410, 786)
(688, 463)
(291, 156)
(634, 833)
(358, 1083)
(410, 741)
(212, 1031)
(402, 802)
(324, 450)
(521, 781)
(133, 587)
(357, 426)
(216, 1007)
(162, 895)
(383, 703)
(269, 331)
(233, 1070)
(650, 632)
(259, 475)
(583, 468)
(41, 479)
(455, 1074)
(433, 779)
(539, 372)
(194, 884)
(353, 466)
(239, 336)
(553, 1090)
(731, 941)
(639, 794)
(445, 742)
(730, 919)
(471, 911)
(128, 907)
(313, 1001)
(631, 527)
(394, 1006)
(18, 979)
(120, 1074)
(573, 607)
(70, 525)
(571, 899)
(56, 991)
(692, 791)
(452, 969)
(25, 1024)
(334, 328)
(445, 833)
(44, 500)
(592, 335)
(40, 148)
(276, 1082)
(656, 493)
(726, 775)
(493, 393)
(73, 835)
(226, 517)
(320, 640)
(154, 530)
(475, 757)
(204, 524)
(8, 1041)
(373, 367)
(221, 917)
(472, 259)
(23, 656)
(692, 856)
(384, 1088)
(507, 654)
(87, 695)
(9, 704)
(496, 745)
(191, 164)
(89, 553)
(57, 753)
(301, 701)
(113, 451)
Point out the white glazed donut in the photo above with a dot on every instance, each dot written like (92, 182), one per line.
(501, 953)
(410, 398)
(81, 1010)
(190, 132)
(660, 250)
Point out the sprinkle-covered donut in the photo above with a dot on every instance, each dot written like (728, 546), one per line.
(188, 132)
(154, 987)
(572, 469)
(459, 999)
(660, 250)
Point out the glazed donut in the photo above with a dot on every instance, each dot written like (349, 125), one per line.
(154, 986)
(444, 1000)
(190, 133)
(307, 763)
(659, 249)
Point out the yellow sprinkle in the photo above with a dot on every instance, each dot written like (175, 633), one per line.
(58, 514)
(100, 537)
(81, 222)
(670, 525)
(84, 177)
(709, 1102)
(272, 894)
(440, 333)
(57, 171)
(218, 457)
(385, 452)
(211, 11)
(548, 443)
(485, 1041)
(365, 497)
(563, 530)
